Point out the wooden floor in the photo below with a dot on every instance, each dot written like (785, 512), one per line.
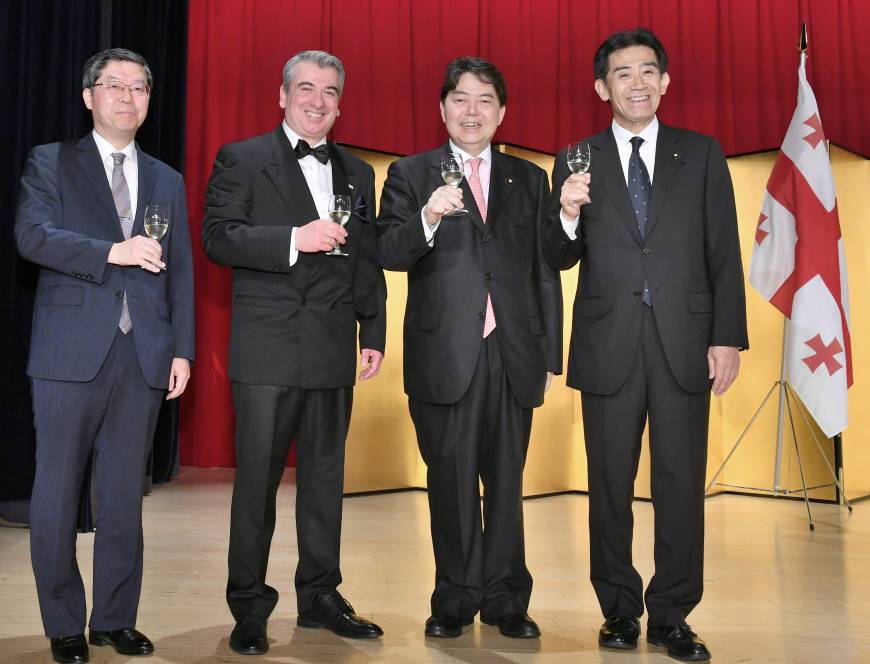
(774, 591)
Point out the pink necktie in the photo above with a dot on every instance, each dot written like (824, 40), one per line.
(477, 192)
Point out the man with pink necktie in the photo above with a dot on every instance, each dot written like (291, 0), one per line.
(482, 338)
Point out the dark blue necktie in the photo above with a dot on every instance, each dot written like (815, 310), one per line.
(639, 188)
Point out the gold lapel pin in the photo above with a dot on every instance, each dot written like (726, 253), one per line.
(675, 155)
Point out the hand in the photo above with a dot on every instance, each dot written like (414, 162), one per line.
(179, 374)
(575, 194)
(724, 363)
(549, 382)
(138, 250)
(443, 200)
(319, 235)
(371, 363)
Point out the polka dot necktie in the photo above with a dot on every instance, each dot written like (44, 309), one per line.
(639, 188)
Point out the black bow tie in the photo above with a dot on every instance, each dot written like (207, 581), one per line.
(302, 150)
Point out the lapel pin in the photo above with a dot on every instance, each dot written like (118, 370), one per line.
(675, 155)
(350, 186)
(510, 180)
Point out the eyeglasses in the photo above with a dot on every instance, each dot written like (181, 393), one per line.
(118, 88)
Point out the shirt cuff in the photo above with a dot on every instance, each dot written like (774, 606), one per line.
(569, 225)
(294, 253)
(428, 231)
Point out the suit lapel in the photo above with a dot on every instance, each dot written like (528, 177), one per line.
(147, 180)
(89, 161)
(606, 169)
(667, 167)
(501, 183)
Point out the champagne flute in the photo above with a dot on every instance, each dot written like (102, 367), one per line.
(339, 212)
(156, 222)
(579, 157)
(452, 174)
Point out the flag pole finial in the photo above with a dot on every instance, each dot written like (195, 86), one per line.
(802, 40)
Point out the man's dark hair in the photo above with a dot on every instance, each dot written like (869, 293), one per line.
(485, 71)
(96, 63)
(623, 39)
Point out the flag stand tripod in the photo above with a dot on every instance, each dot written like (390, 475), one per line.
(786, 396)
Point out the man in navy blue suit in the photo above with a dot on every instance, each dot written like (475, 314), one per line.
(113, 330)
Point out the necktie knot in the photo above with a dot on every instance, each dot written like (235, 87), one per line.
(475, 166)
(303, 149)
(119, 158)
(636, 142)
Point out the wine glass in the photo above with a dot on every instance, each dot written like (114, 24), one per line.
(156, 222)
(452, 174)
(339, 212)
(579, 157)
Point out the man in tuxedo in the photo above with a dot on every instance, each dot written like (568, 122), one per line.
(293, 342)
(112, 331)
(659, 319)
(482, 338)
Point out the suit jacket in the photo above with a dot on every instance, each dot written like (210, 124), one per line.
(67, 223)
(690, 258)
(448, 282)
(295, 327)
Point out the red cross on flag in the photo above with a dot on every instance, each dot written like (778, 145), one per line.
(799, 265)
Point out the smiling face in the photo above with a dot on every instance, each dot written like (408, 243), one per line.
(471, 113)
(311, 101)
(633, 86)
(118, 115)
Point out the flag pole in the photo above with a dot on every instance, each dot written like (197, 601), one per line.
(802, 46)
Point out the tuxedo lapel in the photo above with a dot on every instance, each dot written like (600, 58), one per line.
(285, 173)
(606, 170)
(147, 180)
(89, 161)
(668, 165)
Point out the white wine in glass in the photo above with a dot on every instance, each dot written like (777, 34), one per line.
(579, 157)
(339, 212)
(156, 221)
(452, 174)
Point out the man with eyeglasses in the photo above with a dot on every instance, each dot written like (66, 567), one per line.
(113, 332)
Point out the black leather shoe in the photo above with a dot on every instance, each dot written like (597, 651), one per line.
(619, 632)
(69, 649)
(516, 626)
(127, 641)
(334, 613)
(682, 643)
(445, 629)
(249, 636)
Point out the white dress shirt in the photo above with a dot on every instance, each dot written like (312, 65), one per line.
(319, 179)
(623, 138)
(130, 166)
(483, 172)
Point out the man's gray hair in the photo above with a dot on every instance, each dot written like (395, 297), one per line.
(321, 59)
(96, 63)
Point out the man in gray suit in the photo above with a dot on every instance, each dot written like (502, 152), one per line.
(113, 330)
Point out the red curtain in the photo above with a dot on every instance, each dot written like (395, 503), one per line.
(733, 68)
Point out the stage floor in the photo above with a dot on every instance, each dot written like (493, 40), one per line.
(774, 592)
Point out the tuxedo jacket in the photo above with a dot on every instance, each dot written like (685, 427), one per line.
(293, 326)
(448, 282)
(67, 223)
(690, 258)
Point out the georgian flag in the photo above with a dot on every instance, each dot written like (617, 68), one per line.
(799, 265)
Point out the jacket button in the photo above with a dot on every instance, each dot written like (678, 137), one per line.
(645, 251)
(488, 276)
(486, 237)
(119, 294)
